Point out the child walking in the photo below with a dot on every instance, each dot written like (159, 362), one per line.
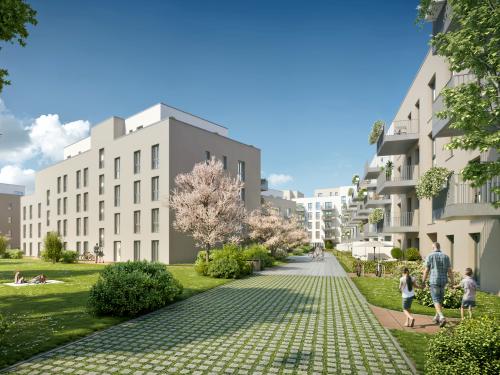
(469, 299)
(407, 288)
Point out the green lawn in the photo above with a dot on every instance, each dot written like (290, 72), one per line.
(384, 292)
(45, 316)
(414, 344)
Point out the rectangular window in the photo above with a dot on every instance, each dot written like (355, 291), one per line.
(309, 216)
(65, 183)
(78, 179)
(48, 218)
(78, 202)
(137, 221)
(241, 170)
(58, 185)
(207, 156)
(117, 223)
(78, 247)
(117, 168)
(85, 177)
(137, 162)
(117, 196)
(39, 210)
(85, 247)
(155, 220)
(317, 215)
(309, 206)
(48, 198)
(31, 249)
(101, 237)
(117, 249)
(137, 250)
(78, 225)
(101, 210)
(224, 162)
(39, 249)
(39, 230)
(155, 157)
(432, 86)
(101, 158)
(65, 227)
(137, 192)
(242, 194)
(155, 188)
(24, 230)
(328, 205)
(31, 212)
(85, 226)
(317, 235)
(24, 213)
(59, 227)
(155, 246)
(101, 184)
(58, 206)
(318, 206)
(31, 230)
(85, 201)
(65, 205)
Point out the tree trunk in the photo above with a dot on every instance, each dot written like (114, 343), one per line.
(207, 253)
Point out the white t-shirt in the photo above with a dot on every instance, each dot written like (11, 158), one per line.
(404, 287)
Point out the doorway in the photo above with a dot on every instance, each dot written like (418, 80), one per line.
(117, 250)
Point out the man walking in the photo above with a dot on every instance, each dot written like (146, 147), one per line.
(438, 268)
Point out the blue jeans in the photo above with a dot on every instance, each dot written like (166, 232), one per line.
(437, 293)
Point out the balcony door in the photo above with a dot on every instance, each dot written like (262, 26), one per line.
(477, 256)
(117, 249)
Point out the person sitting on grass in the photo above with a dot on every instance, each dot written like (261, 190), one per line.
(407, 284)
(469, 298)
(40, 279)
(18, 278)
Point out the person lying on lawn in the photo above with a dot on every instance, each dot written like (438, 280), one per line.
(18, 278)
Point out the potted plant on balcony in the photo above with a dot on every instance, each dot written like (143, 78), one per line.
(376, 216)
(377, 129)
(432, 182)
(388, 169)
(355, 179)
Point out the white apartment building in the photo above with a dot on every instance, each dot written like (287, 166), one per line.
(322, 214)
(10, 213)
(112, 187)
(284, 207)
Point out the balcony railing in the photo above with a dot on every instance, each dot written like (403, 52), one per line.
(406, 221)
(398, 180)
(399, 137)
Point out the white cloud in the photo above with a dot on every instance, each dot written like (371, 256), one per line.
(276, 179)
(12, 174)
(34, 142)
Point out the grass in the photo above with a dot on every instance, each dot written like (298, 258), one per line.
(383, 292)
(42, 317)
(414, 344)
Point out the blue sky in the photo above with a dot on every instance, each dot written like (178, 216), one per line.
(301, 80)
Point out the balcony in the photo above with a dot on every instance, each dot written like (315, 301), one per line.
(407, 222)
(368, 184)
(441, 127)
(377, 201)
(400, 137)
(373, 230)
(370, 172)
(401, 180)
(462, 201)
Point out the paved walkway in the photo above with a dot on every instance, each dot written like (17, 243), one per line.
(281, 322)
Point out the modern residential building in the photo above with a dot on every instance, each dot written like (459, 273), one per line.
(112, 188)
(461, 218)
(10, 214)
(322, 214)
(275, 199)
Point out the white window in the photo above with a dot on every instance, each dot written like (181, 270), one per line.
(58, 206)
(65, 205)
(101, 237)
(137, 221)
(117, 168)
(155, 220)
(78, 178)
(85, 177)
(155, 188)
(117, 223)
(78, 225)
(65, 227)
(101, 210)
(224, 162)
(155, 157)
(241, 170)
(85, 226)
(137, 162)
(58, 185)
(78, 202)
(137, 250)
(137, 192)
(101, 184)
(101, 158)
(117, 196)
(85, 201)
(155, 246)
(65, 183)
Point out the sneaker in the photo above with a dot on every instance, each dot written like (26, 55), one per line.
(442, 322)
(435, 320)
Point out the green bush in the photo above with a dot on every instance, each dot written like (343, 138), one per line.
(328, 244)
(3, 326)
(260, 252)
(13, 254)
(452, 297)
(416, 269)
(412, 253)
(132, 288)
(201, 265)
(472, 347)
(3, 245)
(228, 263)
(53, 247)
(396, 253)
(69, 256)
(298, 251)
(280, 254)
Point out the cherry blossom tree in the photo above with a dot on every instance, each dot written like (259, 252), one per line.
(207, 205)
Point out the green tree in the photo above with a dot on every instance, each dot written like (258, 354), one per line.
(3, 245)
(15, 15)
(53, 247)
(473, 107)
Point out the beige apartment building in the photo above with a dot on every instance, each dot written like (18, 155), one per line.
(461, 218)
(112, 188)
(10, 213)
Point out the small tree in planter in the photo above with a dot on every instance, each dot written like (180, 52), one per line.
(377, 129)
(376, 216)
(207, 205)
(432, 182)
(355, 179)
(396, 253)
(388, 169)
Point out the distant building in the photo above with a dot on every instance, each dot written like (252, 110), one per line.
(10, 217)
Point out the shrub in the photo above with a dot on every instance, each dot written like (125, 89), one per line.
(452, 297)
(396, 253)
(432, 182)
(3, 326)
(201, 265)
(412, 254)
(131, 288)
(376, 216)
(69, 256)
(472, 347)
(280, 254)
(328, 244)
(13, 254)
(228, 263)
(53, 247)
(3, 245)
(416, 269)
(260, 252)
(377, 129)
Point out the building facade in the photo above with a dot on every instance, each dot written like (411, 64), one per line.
(10, 214)
(275, 200)
(112, 188)
(461, 218)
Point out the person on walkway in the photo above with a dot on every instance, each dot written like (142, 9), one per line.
(358, 267)
(438, 268)
(469, 299)
(407, 284)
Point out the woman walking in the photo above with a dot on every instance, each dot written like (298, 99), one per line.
(407, 288)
